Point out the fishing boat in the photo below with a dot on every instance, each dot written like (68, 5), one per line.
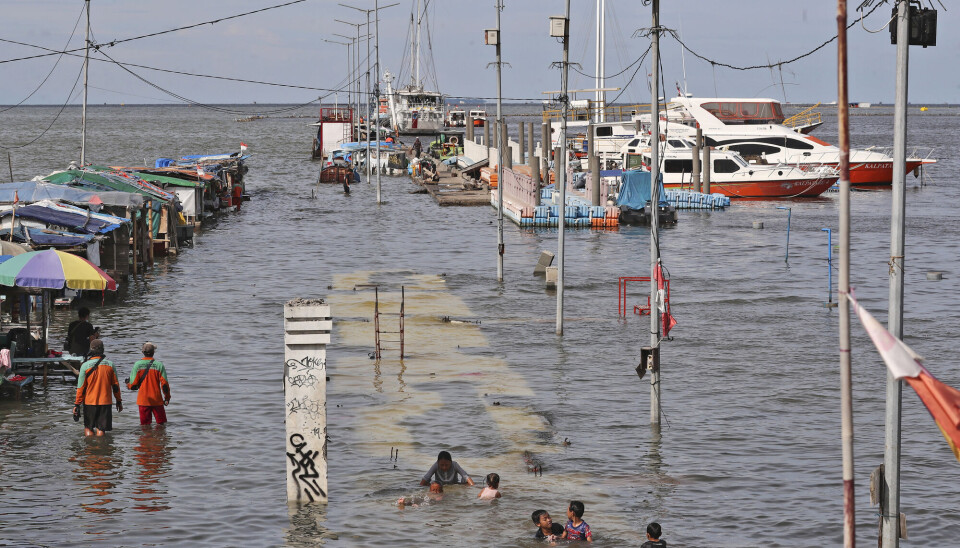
(415, 110)
(479, 117)
(731, 174)
(334, 128)
(753, 128)
(456, 117)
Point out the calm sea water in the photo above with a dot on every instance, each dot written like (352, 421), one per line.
(749, 453)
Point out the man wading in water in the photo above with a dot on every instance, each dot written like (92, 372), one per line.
(149, 377)
(96, 386)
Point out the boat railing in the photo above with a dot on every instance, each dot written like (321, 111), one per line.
(611, 113)
(805, 117)
(913, 153)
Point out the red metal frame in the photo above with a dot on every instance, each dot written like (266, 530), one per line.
(639, 309)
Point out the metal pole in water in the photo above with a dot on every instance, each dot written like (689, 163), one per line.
(654, 210)
(786, 255)
(376, 48)
(83, 117)
(502, 148)
(846, 392)
(366, 99)
(829, 265)
(561, 163)
(307, 325)
(890, 508)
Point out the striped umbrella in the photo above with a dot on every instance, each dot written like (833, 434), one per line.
(52, 269)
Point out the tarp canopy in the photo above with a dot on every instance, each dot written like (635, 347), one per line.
(107, 181)
(45, 236)
(70, 217)
(635, 189)
(165, 180)
(34, 191)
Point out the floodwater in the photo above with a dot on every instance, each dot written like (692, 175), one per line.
(749, 452)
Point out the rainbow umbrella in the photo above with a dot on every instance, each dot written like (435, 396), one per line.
(52, 269)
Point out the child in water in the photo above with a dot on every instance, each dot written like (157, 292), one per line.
(435, 494)
(446, 471)
(546, 528)
(492, 490)
(577, 529)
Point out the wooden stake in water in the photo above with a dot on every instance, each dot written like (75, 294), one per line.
(846, 392)
(307, 325)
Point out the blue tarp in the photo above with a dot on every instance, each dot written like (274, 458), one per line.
(71, 218)
(46, 237)
(635, 189)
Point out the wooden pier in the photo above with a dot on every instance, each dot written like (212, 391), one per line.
(449, 188)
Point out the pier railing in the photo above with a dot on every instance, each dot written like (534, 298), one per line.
(519, 189)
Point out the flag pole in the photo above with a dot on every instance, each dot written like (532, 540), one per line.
(846, 396)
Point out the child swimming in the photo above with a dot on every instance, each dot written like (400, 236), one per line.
(446, 471)
(492, 490)
(576, 528)
(546, 528)
(422, 499)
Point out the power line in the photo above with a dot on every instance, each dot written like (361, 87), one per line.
(676, 37)
(55, 118)
(132, 38)
(47, 77)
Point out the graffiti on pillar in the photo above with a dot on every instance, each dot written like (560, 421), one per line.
(303, 373)
(305, 472)
(305, 405)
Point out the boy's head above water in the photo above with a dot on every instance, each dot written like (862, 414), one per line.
(575, 509)
(436, 487)
(541, 518)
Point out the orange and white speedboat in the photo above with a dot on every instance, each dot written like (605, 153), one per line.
(753, 128)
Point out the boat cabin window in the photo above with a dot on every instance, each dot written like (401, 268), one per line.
(633, 143)
(678, 143)
(745, 112)
(754, 149)
(604, 131)
(725, 166)
(678, 166)
(634, 161)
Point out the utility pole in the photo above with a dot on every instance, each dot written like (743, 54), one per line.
(843, 286)
(890, 507)
(601, 54)
(654, 214)
(86, 74)
(561, 160)
(501, 147)
(375, 10)
(376, 88)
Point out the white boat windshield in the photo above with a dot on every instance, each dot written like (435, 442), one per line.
(745, 112)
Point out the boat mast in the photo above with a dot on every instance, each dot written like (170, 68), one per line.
(654, 210)
(416, 58)
(83, 116)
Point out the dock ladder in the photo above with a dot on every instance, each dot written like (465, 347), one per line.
(376, 324)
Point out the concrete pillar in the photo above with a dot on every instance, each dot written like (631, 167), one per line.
(307, 325)
(695, 176)
(486, 132)
(522, 143)
(535, 169)
(707, 166)
(594, 162)
(468, 129)
(546, 145)
(505, 156)
(530, 143)
(557, 166)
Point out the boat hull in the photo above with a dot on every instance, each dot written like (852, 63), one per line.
(336, 174)
(789, 188)
(877, 173)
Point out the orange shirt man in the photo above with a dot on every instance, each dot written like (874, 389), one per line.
(96, 386)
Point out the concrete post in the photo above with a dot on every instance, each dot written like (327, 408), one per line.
(486, 132)
(508, 158)
(535, 170)
(706, 168)
(468, 129)
(530, 143)
(546, 145)
(522, 143)
(695, 177)
(307, 325)
(594, 160)
(505, 156)
(557, 166)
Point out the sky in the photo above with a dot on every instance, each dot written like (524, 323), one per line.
(286, 45)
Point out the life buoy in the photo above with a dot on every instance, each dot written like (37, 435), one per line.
(454, 141)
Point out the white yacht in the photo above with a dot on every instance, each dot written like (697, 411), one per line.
(414, 109)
